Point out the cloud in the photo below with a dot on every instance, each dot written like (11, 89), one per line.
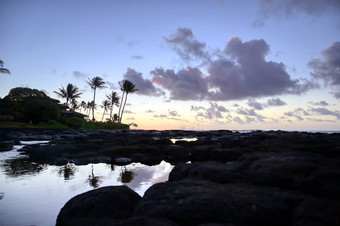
(328, 68)
(320, 103)
(186, 84)
(292, 7)
(144, 86)
(238, 120)
(129, 112)
(256, 105)
(275, 102)
(136, 57)
(160, 116)
(239, 72)
(298, 113)
(325, 111)
(184, 44)
(130, 118)
(111, 85)
(250, 112)
(249, 74)
(173, 113)
(150, 111)
(79, 75)
(196, 108)
(215, 111)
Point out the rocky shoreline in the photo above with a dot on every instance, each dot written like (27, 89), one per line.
(222, 178)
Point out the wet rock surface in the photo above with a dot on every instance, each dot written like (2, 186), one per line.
(222, 178)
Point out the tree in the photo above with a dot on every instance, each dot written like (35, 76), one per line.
(27, 104)
(127, 87)
(94, 83)
(70, 93)
(106, 105)
(114, 100)
(82, 105)
(2, 69)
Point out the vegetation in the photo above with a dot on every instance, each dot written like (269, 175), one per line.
(94, 83)
(2, 69)
(114, 100)
(70, 93)
(127, 87)
(31, 107)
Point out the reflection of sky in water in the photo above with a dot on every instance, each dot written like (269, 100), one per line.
(33, 194)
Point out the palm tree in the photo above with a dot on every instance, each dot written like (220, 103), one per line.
(114, 100)
(82, 105)
(94, 83)
(106, 105)
(70, 93)
(2, 69)
(89, 106)
(127, 87)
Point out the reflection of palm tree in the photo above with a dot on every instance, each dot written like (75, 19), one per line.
(127, 87)
(93, 180)
(67, 171)
(114, 100)
(94, 83)
(125, 175)
(2, 69)
(106, 105)
(70, 93)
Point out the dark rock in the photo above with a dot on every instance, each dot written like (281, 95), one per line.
(317, 212)
(102, 206)
(190, 202)
(211, 171)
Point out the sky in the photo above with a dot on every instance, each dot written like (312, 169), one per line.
(198, 64)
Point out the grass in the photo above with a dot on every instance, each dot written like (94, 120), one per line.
(17, 125)
(51, 124)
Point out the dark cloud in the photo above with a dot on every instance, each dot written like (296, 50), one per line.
(79, 75)
(298, 113)
(275, 102)
(325, 111)
(249, 74)
(239, 72)
(184, 44)
(136, 57)
(328, 68)
(144, 86)
(320, 103)
(196, 108)
(238, 120)
(250, 112)
(256, 105)
(215, 111)
(186, 84)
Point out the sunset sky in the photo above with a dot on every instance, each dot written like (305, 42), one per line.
(198, 64)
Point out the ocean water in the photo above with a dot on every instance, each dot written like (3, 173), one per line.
(33, 193)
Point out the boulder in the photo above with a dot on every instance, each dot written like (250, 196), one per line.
(103, 206)
(210, 170)
(192, 202)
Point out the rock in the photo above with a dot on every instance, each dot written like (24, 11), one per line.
(211, 171)
(191, 202)
(103, 206)
(317, 212)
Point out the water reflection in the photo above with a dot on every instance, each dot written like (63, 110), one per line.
(20, 166)
(93, 180)
(67, 171)
(125, 175)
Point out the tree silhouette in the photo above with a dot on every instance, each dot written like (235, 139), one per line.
(2, 69)
(94, 83)
(82, 105)
(127, 87)
(114, 100)
(106, 105)
(70, 93)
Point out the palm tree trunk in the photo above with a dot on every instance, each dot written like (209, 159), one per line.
(120, 107)
(111, 111)
(103, 114)
(94, 103)
(123, 107)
